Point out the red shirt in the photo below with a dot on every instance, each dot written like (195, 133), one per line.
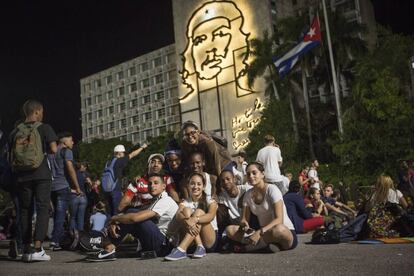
(139, 191)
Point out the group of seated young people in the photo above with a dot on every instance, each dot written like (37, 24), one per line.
(198, 201)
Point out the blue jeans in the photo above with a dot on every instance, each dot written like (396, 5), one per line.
(60, 201)
(113, 198)
(149, 235)
(77, 211)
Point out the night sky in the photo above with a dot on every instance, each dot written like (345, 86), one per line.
(46, 47)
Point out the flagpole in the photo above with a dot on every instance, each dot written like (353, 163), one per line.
(335, 82)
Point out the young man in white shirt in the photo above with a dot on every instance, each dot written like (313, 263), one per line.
(152, 235)
(271, 158)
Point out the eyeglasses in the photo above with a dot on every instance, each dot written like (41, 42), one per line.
(191, 133)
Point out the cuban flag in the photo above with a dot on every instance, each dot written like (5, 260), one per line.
(311, 39)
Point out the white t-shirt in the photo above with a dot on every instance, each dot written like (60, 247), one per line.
(189, 203)
(313, 174)
(394, 196)
(264, 211)
(166, 208)
(270, 156)
(232, 202)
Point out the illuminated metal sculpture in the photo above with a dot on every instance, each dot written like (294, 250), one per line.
(217, 49)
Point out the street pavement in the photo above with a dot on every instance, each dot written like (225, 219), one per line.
(306, 259)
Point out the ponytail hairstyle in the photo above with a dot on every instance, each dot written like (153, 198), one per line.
(202, 204)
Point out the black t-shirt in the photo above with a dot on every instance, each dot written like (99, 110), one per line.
(43, 172)
(119, 166)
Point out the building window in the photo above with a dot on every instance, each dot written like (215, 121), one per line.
(122, 107)
(87, 87)
(145, 83)
(110, 94)
(111, 126)
(98, 99)
(148, 133)
(161, 113)
(133, 87)
(162, 130)
(108, 79)
(133, 103)
(160, 95)
(89, 117)
(99, 113)
(170, 58)
(123, 123)
(135, 119)
(132, 71)
(172, 75)
(144, 66)
(158, 78)
(121, 91)
(88, 101)
(120, 75)
(157, 62)
(100, 129)
(98, 83)
(90, 131)
(147, 116)
(110, 110)
(146, 99)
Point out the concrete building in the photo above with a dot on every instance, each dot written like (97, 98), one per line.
(133, 100)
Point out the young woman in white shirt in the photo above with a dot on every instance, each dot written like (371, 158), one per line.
(266, 202)
(197, 217)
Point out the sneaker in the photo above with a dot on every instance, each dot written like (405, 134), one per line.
(36, 257)
(200, 252)
(176, 255)
(103, 256)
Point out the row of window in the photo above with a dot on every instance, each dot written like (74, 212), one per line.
(121, 107)
(117, 125)
(131, 71)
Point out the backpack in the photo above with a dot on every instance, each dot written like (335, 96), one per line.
(27, 148)
(109, 180)
(325, 236)
(350, 231)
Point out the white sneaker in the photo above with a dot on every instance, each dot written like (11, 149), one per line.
(36, 257)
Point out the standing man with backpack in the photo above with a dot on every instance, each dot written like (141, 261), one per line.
(30, 142)
(64, 180)
(112, 175)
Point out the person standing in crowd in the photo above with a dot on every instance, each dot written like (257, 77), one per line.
(138, 195)
(78, 204)
(314, 180)
(65, 186)
(216, 156)
(119, 161)
(241, 163)
(271, 158)
(266, 202)
(304, 180)
(197, 217)
(149, 226)
(34, 181)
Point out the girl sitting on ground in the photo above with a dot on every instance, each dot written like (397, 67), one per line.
(314, 202)
(197, 217)
(266, 202)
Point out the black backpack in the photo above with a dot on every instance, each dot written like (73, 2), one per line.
(350, 231)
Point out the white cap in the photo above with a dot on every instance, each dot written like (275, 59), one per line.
(119, 148)
(156, 155)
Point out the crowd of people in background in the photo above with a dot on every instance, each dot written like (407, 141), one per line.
(194, 198)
